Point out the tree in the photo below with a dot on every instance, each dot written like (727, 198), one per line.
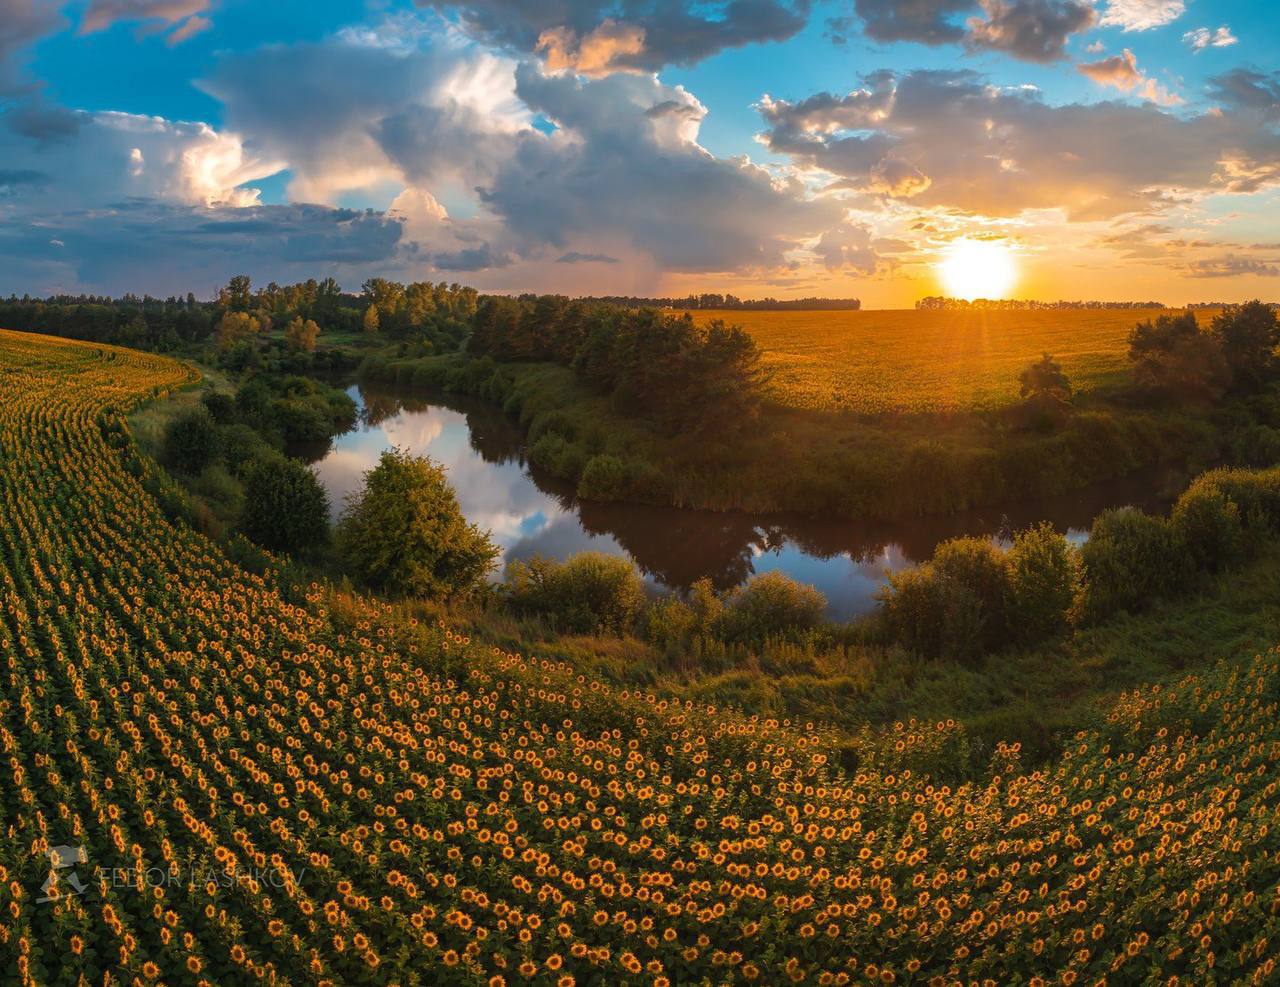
(236, 327)
(191, 441)
(406, 534)
(285, 507)
(1248, 335)
(301, 335)
(1045, 378)
(590, 593)
(1172, 357)
(371, 323)
(237, 295)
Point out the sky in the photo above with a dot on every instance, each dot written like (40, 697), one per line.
(1106, 149)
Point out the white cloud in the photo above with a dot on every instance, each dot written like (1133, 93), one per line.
(1122, 72)
(1141, 15)
(1202, 38)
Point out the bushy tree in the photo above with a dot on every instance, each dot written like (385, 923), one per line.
(191, 441)
(236, 327)
(589, 593)
(285, 507)
(1045, 390)
(1130, 559)
(1209, 524)
(301, 334)
(1044, 579)
(405, 533)
(1248, 335)
(772, 605)
(1172, 357)
(371, 322)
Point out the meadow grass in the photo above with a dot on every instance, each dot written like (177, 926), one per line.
(877, 362)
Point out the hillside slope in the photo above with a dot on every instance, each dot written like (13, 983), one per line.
(236, 781)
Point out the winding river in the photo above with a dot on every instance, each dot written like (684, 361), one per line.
(530, 513)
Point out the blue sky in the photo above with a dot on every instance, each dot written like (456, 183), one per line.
(1126, 148)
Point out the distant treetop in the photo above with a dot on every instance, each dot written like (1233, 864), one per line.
(937, 302)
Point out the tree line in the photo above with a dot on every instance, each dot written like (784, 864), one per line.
(940, 303)
(717, 301)
(652, 364)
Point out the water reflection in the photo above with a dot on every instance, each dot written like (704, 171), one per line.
(530, 513)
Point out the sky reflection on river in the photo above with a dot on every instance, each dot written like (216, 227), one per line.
(532, 514)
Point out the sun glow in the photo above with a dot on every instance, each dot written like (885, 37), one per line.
(978, 269)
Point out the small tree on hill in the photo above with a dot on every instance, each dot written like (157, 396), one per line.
(406, 534)
(1045, 390)
(285, 507)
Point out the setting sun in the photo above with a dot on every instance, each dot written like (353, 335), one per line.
(978, 269)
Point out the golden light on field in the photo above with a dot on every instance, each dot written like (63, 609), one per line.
(978, 269)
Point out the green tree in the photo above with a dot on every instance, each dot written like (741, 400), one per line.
(1248, 335)
(1172, 357)
(1044, 578)
(236, 327)
(191, 441)
(285, 507)
(237, 295)
(405, 533)
(301, 334)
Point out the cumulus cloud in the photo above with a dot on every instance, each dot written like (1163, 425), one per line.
(611, 47)
(348, 115)
(850, 246)
(637, 34)
(1122, 72)
(1202, 38)
(613, 168)
(1033, 30)
(21, 23)
(1000, 152)
(184, 16)
(1141, 15)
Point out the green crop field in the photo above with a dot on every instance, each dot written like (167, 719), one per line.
(214, 776)
(908, 361)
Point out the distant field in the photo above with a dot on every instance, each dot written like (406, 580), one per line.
(883, 361)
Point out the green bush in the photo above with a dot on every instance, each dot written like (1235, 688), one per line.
(1044, 578)
(285, 507)
(406, 534)
(1209, 525)
(191, 441)
(603, 478)
(589, 593)
(241, 446)
(771, 605)
(1130, 559)
(931, 615)
(222, 407)
(979, 565)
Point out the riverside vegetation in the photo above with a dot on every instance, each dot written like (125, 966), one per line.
(431, 807)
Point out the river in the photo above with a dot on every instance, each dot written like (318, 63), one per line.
(530, 513)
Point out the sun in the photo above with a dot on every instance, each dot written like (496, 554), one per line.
(978, 269)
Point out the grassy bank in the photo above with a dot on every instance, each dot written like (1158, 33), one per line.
(837, 464)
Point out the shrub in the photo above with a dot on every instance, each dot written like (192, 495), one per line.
(406, 534)
(1129, 559)
(931, 615)
(980, 566)
(240, 446)
(772, 604)
(222, 407)
(590, 592)
(1209, 525)
(603, 478)
(1044, 578)
(285, 507)
(191, 441)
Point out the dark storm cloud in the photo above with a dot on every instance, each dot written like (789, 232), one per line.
(21, 23)
(43, 122)
(1249, 91)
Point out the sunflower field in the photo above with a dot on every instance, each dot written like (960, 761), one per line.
(213, 776)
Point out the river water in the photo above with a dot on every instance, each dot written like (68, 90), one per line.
(530, 513)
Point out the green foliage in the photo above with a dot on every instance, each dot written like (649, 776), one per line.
(405, 533)
(603, 478)
(1208, 525)
(1173, 358)
(285, 507)
(191, 441)
(1248, 335)
(1044, 579)
(1130, 559)
(771, 605)
(590, 592)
